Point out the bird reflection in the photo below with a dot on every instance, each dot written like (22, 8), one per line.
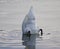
(29, 40)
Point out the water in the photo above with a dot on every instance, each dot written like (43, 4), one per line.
(47, 13)
(47, 41)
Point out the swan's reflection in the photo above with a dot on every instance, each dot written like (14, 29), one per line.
(29, 42)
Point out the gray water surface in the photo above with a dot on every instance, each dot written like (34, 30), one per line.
(47, 41)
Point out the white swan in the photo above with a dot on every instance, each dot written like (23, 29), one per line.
(29, 24)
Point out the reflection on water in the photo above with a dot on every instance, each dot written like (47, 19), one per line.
(30, 47)
(30, 43)
(47, 41)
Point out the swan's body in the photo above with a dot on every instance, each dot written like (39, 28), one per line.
(29, 23)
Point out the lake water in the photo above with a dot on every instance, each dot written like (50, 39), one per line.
(47, 41)
(12, 13)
